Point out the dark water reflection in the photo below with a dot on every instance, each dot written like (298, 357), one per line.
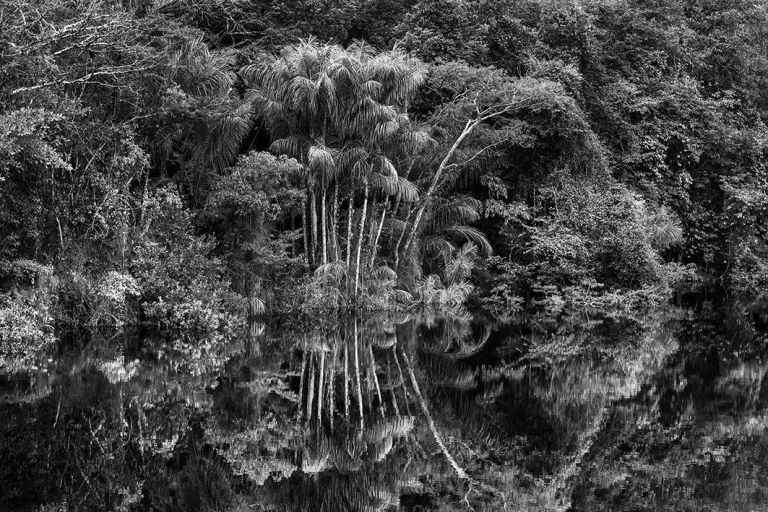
(663, 412)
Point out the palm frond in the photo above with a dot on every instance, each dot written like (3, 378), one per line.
(460, 265)
(384, 272)
(303, 95)
(459, 210)
(335, 270)
(456, 294)
(473, 235)
(321, 162)
(225, 135)
(348, 157)
(415, 141)
(385, 130)
(407, 190)
(291, 146)
(386, 167)
(438, 246)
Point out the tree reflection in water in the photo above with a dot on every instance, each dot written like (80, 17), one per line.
(397, 413)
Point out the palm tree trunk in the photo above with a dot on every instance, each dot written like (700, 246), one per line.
(346, 378)
(357, 377)
(320, 389)
(335, 222)
(313, 213)
(375, 245)
(323, 215)
(331, 381)
(402, 379)
(432, 427)
(376, 380)
(400, 239)
(350, 209)
(313, 217)
(396, 211)
(372, 217)
(310, 388)
(362, 234)
(301, 382)
(392, 390)
(307, 252)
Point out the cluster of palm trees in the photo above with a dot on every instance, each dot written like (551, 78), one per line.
(343, 115)
(374, 177)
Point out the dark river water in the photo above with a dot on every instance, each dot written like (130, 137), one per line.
(660, 411)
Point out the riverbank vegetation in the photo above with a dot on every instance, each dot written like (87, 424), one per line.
(188, 164)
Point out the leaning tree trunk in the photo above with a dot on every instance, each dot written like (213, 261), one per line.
(310, 388)
(432, 427)
(402, 380)
(376, 380)
(396, 211)
(400, 238)
(362, 235)
(392, 389)
(375, 245)
(372, 221)
(471, 124)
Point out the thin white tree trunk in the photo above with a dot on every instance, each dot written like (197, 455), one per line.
(320, 390)
(350, 209)
(313, 216)
(310, 388)
(392, 390)
(323, 215)
(307, 252)
(331, 381)
(301, 382)
(375, 246)
(376, 380)
(362, 235)
(357, 377)
(372, 216)
(400, 238)
(335, 222)
(432, 427)
(402, 380)
(471, 124)
(346, 378)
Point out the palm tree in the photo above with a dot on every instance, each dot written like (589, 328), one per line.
(297, 100)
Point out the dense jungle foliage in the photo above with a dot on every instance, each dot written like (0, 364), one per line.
(189, 163)
(240, 242)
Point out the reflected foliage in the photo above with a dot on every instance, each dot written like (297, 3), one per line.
(398, 412)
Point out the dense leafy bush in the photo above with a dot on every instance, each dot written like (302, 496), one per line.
(26, 329)
(587, 247)
(183, 288)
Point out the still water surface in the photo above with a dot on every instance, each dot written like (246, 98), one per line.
(663, 412)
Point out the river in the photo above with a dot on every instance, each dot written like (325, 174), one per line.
(661, 411)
